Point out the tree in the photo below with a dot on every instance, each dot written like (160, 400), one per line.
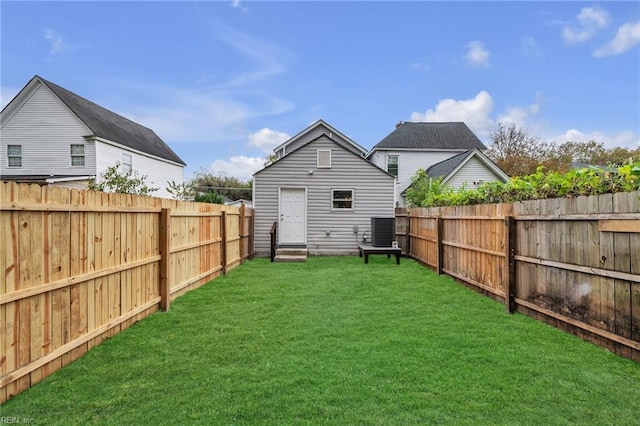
(270, 159)
(234, 188)
(181, 191)
(113, 180)
(619, 156)
(208, 197)
(516, 151)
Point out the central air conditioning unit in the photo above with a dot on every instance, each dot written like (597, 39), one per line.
(383, 230)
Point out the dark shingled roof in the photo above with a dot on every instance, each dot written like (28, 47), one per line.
(408, 135)
(109, 125)
(444, 168)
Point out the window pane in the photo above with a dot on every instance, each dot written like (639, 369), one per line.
(126, 163)
(14, 150)
(342, 195)
(342, 204)
(77, 161)
(15, 161)
(77, 149)
(392, 165)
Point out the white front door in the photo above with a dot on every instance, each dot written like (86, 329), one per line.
(293, 216)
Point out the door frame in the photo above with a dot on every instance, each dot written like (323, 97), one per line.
(304, 226)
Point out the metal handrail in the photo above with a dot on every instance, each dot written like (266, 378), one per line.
(273, 232)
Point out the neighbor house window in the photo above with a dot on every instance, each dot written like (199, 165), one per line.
(126, 163)
(77, 155)
(14, 155)
(324, 158)
(342, 199)
(392, 165)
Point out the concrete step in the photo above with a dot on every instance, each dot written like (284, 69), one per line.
(284, 254)
(285, 251)
(288, 258)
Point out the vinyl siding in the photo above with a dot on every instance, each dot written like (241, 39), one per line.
(158, 172)
(46, 129)
(408, 164)
(373, 196)
(473, 170)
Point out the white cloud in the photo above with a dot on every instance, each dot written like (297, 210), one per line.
(518, 115)
(240, 167)
(475, 112)
(590, 20)
(237, 5)
(191, 115)
(267, 139)
(419, 66)
(594, 16)
(267, 57)
(628, 35)
(56, 43)
(477, 55)
(623, 139)
(531, 48)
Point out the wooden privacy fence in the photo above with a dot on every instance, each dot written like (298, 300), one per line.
(571, 262)
(79, 266)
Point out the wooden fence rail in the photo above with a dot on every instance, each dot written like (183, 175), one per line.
(79, 266)
(573, 263)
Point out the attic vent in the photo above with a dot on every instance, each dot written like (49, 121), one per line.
(324, 158)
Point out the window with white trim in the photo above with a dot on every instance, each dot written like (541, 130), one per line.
(126, 163)
(324, 159)
(392, 165)
(342, 199)
(77, 155)
(14, 155)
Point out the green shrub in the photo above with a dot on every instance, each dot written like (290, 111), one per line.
(428, 192)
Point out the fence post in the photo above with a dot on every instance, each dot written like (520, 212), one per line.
(223, 249)
(408, 249)
(251, 233)
(165, 252)
(440, 246)
(242, 233)
(510, 252)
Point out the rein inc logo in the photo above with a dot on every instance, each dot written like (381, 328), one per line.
(16, 421)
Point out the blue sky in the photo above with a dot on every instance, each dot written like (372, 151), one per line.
(223, 83)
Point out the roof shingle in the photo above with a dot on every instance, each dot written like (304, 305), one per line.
(444, 168)
(452, 135)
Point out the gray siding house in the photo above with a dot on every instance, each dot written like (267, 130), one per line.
(321, 192)
(52, 136)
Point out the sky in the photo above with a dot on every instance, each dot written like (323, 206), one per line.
(224, 82)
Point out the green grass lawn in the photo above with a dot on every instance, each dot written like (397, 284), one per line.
(334, 341)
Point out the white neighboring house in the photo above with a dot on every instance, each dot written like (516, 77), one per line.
(52, 136)
(449, 150)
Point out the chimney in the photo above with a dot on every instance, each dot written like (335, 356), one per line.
(399, 124)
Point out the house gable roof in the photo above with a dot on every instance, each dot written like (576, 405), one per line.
(430, 136)
(450, 166)
(353, 146)
(108, 125)
(342, 145)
